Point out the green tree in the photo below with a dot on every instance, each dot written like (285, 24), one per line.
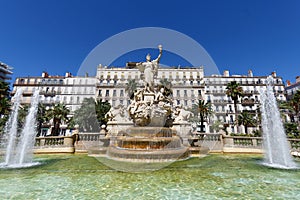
(91, 115)
(217, 125)
(295, 103)
(58, 113)
(4, 103)
(203, 110)
(4, 89)
(246, 119)
(23, 111)
(234, 91)
(291, 130)
(4, 106)
(41, 117)
(102, 107)
(131, 87)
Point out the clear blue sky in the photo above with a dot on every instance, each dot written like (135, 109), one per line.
(56, 35)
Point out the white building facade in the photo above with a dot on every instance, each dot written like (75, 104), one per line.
(222, 105)
(292, 88)
(188, 86)
(5, 71)
(69, 90)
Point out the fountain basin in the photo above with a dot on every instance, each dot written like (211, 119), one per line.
(212, 177)
(147, 155)
(147, 144)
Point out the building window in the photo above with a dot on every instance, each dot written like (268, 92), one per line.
(192, 94)
(78, 100)
(185, 93)
(107, 93)
(231, 119)
(199, 92)
(121, 101)
(185, 103)
(178, 93)
(178, 102)
(100, 93)
(208, 99)
(113, 103)
(232, 129)
(230, 108)
(114, 93)
(122, 93)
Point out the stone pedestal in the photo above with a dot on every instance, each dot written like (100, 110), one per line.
(184, 130)
(114, 127)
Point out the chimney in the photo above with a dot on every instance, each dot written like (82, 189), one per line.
(45, 74)
(68, 74)
(226, 73)
(288, 83)
(250, 73)
(273, 74)
(297, 79)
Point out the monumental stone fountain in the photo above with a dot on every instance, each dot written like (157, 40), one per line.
(151, 137)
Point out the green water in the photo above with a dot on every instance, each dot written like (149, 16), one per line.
(211, 177)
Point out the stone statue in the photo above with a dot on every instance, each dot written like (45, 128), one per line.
(150, 68)
(117, 114)
(182, 115)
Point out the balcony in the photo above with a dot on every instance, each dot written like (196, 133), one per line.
(49, 93)
(248, 102)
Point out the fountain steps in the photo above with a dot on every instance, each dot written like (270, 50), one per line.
(148, 154)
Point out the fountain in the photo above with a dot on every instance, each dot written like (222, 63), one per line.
(151, 139)
(277, 151)
(19, 149)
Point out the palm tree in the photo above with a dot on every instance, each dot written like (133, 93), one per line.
(246, 119)
(4, 112)
(41, 117)
(86, 116)
(4, 89)
(167, 85)
(234, 91)
(102, 107)
(4, 102)
(58, 113)
(131, 87)
(217, 125)
(91, 115)
(4, 106)
(203, 109)
(23, 111)
(295, 103)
